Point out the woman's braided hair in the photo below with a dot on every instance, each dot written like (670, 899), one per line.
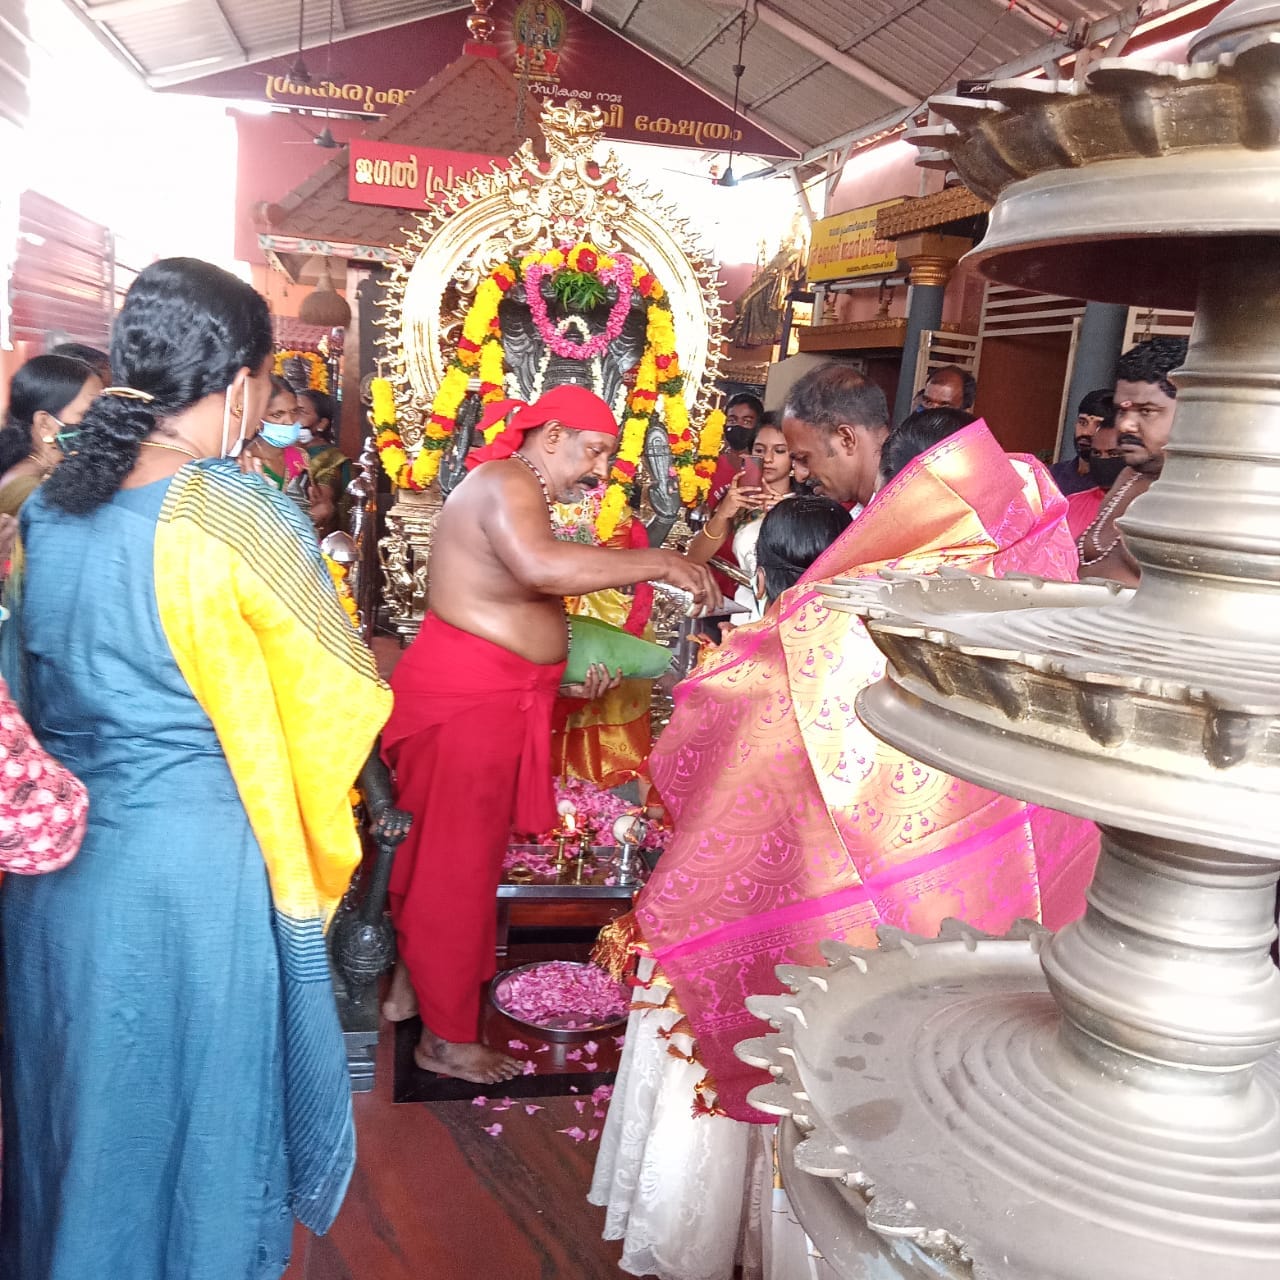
(185, 330)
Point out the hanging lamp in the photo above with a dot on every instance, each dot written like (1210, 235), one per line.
(325, 307)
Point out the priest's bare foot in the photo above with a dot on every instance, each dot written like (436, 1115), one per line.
(401, 1003)
(475, 1062)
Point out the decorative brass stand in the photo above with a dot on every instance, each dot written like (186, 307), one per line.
(1112, 1111)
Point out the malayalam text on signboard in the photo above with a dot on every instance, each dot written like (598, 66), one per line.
(551, 47)
(845, 245)
(405, 177)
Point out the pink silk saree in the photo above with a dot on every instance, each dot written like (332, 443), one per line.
(793, 823)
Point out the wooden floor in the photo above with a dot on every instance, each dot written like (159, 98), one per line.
(435, 1197)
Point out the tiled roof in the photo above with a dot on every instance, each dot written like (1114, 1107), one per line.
(469, 106)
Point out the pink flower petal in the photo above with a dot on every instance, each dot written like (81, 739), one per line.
(546, 1048)
(561, 993)
(575, 1133)
(529, 1069)
(573, 1088)
(619, 1041)
(602, 1094)
(592, 1134)
(573, 1055)
(532, 1108)
(591, 1066)
(480, 1101)
(579, 1105)
(493, 1130)
(516, 1044)
(591, 1048)
(600, 1115)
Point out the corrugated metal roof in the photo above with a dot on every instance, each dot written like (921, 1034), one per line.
(816, 70)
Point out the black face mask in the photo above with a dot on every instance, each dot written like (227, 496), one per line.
(1105, 471)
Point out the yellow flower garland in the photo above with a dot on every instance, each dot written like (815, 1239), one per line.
(317, 373)
(710, 440)
(479, 356)
(383, 397)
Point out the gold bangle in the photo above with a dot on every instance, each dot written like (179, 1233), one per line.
(719, 537)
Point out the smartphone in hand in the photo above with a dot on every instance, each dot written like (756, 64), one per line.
(752, 473)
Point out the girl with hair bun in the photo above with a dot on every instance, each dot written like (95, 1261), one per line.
(173, 1068)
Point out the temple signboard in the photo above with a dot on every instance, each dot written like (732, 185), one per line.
(560, 53)
(405, 177)
(845, 246)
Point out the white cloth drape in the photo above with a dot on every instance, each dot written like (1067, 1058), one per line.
(691, 1197)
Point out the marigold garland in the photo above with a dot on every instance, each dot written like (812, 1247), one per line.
(710, 440)
(317, 372)
(657, 396)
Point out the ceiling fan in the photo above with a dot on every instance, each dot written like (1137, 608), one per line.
(299, 73)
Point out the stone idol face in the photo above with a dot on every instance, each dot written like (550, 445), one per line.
(1102, 1103)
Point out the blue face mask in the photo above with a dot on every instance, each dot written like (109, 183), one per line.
(280, 435)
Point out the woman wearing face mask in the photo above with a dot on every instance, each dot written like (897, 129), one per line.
(739, 512)
(330, 468)
(172, 1054)
(47, 399)
(276, 446)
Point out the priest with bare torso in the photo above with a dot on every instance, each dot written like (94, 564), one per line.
(469, 740)
(1145, 400)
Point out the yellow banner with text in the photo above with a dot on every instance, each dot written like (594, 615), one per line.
(845, 245)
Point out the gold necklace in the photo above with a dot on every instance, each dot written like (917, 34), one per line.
(173, 448)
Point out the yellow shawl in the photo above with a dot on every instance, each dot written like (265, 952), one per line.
(255, 626)
(257, 630)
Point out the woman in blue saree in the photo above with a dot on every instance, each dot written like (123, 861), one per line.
(175, 1088)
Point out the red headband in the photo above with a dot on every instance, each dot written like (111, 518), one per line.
(574, 408)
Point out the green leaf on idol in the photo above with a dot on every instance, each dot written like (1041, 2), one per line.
(579, 291)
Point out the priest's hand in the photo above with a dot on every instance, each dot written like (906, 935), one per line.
(696, 579)
(596, 685)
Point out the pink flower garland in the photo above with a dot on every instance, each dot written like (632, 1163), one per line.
(620, 274)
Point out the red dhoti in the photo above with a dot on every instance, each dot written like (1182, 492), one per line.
(469, 743)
